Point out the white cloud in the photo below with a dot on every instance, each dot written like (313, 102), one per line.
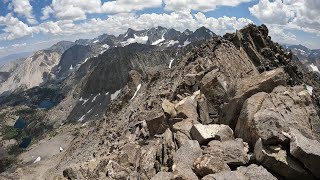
(1, 47)
(293, 14)
(46, 11)
(24, 9)
(119, 23)
(73, 9)
(278, 34)
(126, 6)
(19, 45)
(14, 28)
(200, 5)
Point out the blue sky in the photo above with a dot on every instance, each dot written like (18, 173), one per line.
(29, 25)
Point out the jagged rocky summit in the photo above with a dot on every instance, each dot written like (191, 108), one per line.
(232, 107)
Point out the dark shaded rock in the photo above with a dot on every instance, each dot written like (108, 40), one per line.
(277, 159)
(247, 87)
(305, 150)
(269, 116)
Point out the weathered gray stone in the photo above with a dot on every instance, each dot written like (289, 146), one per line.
(163, 176)
(203, 110)
(226, 175)
(267, 116)
(205, 133)
(247, 87)
(207, 164)
(181, 138)
(187, 108)
(184, 158)
(255, 172)
(277, 159)
(214, 86)
(148, 159)
(305, 150)
(156, 121)
(233, 152)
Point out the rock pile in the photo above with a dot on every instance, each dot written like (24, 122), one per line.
(232, 109)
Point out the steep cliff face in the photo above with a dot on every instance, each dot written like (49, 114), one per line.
(33, 71)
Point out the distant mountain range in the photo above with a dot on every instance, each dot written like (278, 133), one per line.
(12, 57)
(309, 57)
(59, 61)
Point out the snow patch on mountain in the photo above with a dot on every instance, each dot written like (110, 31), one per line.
(135, 93)
(170, 64)
(172, 42)
(136, 39)
(115, 95)
(186, 42)
(310, 89)
(314, 68)
(159, 40)
(94, 98)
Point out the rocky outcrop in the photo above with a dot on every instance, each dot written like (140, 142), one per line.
(277, 159)
(247, 87)
(305, 150)
(269, 116)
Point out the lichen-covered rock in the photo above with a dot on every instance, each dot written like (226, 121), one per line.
(207, 164)
(233, 152)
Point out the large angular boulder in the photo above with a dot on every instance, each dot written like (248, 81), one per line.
(269, 116)
(205, 133)
(247, 87)
(184, 158)
(156, 121)
(208, 164)
(305, 150)
(187, 108)
(233, 152)
(277, 159)
(203, 110)
(214, 86)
